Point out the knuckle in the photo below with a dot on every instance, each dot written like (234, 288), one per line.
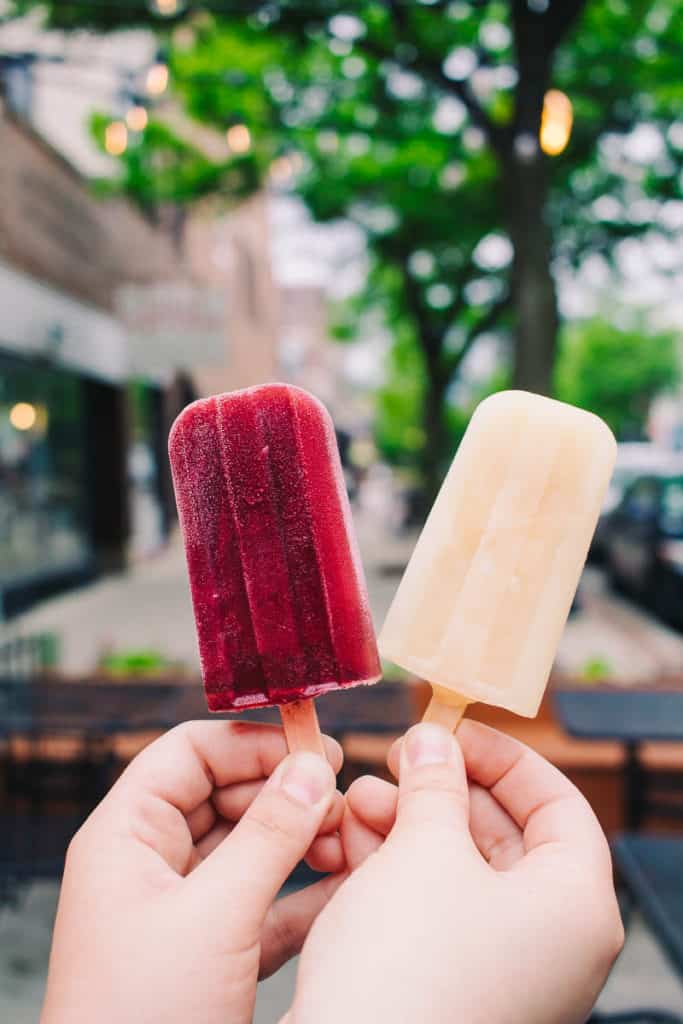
(184, 732)
(153, 820)
(433, 810)
(601, 921)
(438, 787)
(79, 845)
(75, 845)
(611, 933)
(269, 820)
(499, 847)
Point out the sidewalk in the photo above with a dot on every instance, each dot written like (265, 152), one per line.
(632, 644)
(148, 607)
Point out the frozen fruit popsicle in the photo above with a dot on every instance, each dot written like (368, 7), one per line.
(481, 607)
(277, 586)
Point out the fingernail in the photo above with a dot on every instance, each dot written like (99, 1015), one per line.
(429, 744)
(306, 778)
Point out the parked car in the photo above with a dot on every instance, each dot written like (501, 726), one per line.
(634, 459)
(644, 543)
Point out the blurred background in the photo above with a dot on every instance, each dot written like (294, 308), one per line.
(401, 206)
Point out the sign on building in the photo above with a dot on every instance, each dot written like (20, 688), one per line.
(173, 325)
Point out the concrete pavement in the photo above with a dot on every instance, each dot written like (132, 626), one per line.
(641, 976)
(149, 608)
(635, 647)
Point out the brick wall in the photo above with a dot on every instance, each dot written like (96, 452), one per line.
(54, 228)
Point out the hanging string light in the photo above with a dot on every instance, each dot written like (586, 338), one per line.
(166, 8)
(556, 122)
(157, 77)
(23, 416)
(239, 139)
(281, 170)
(137, 118)
(116, 138)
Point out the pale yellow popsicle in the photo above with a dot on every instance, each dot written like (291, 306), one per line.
(484, 599)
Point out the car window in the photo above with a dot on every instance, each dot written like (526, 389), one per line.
(671, 515)
(642, 501)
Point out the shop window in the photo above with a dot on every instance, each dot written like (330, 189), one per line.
(43, 487)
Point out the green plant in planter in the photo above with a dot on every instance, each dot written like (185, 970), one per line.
(595, 670)
(124, 664)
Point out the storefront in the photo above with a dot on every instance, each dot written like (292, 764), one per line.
(71, 470)
(106, 332)
(45, 535)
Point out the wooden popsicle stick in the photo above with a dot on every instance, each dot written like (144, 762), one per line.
(445, 708)
(302, 730)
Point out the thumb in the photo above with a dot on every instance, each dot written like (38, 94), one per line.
(432, 787)
(269, 841)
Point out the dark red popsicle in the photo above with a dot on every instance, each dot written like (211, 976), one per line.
(277, 586)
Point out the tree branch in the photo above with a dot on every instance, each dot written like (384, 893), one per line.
(433, 72)
(537, 35)
(487, 322)
(561, 15)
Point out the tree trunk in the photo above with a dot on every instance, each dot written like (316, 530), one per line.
(533, 287)
(435, 451)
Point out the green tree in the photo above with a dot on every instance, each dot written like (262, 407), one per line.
(616, 373)
(420, 120)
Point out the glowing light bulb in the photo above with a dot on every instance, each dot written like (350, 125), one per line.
(116, 138)
(556, 122)
(166, 8)
(23, 416)
(281, 170)
(137, 118)
(286, 167)
(156, 82)
(239, 138)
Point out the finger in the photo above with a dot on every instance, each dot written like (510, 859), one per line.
(201, 820)
(267, 843)
(432, 789)
(358, 839)
(326, 854)
(185, 765)
(373, 802)
(289, 921)
(498, 838)
(394, 756)
(177, 773)
(208, 843)
(232, 802)
(536, 795)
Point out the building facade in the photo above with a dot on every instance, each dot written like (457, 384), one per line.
(86, 400)
(229, 250)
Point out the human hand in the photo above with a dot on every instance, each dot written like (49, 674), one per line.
(493, 906)
(167, 910)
